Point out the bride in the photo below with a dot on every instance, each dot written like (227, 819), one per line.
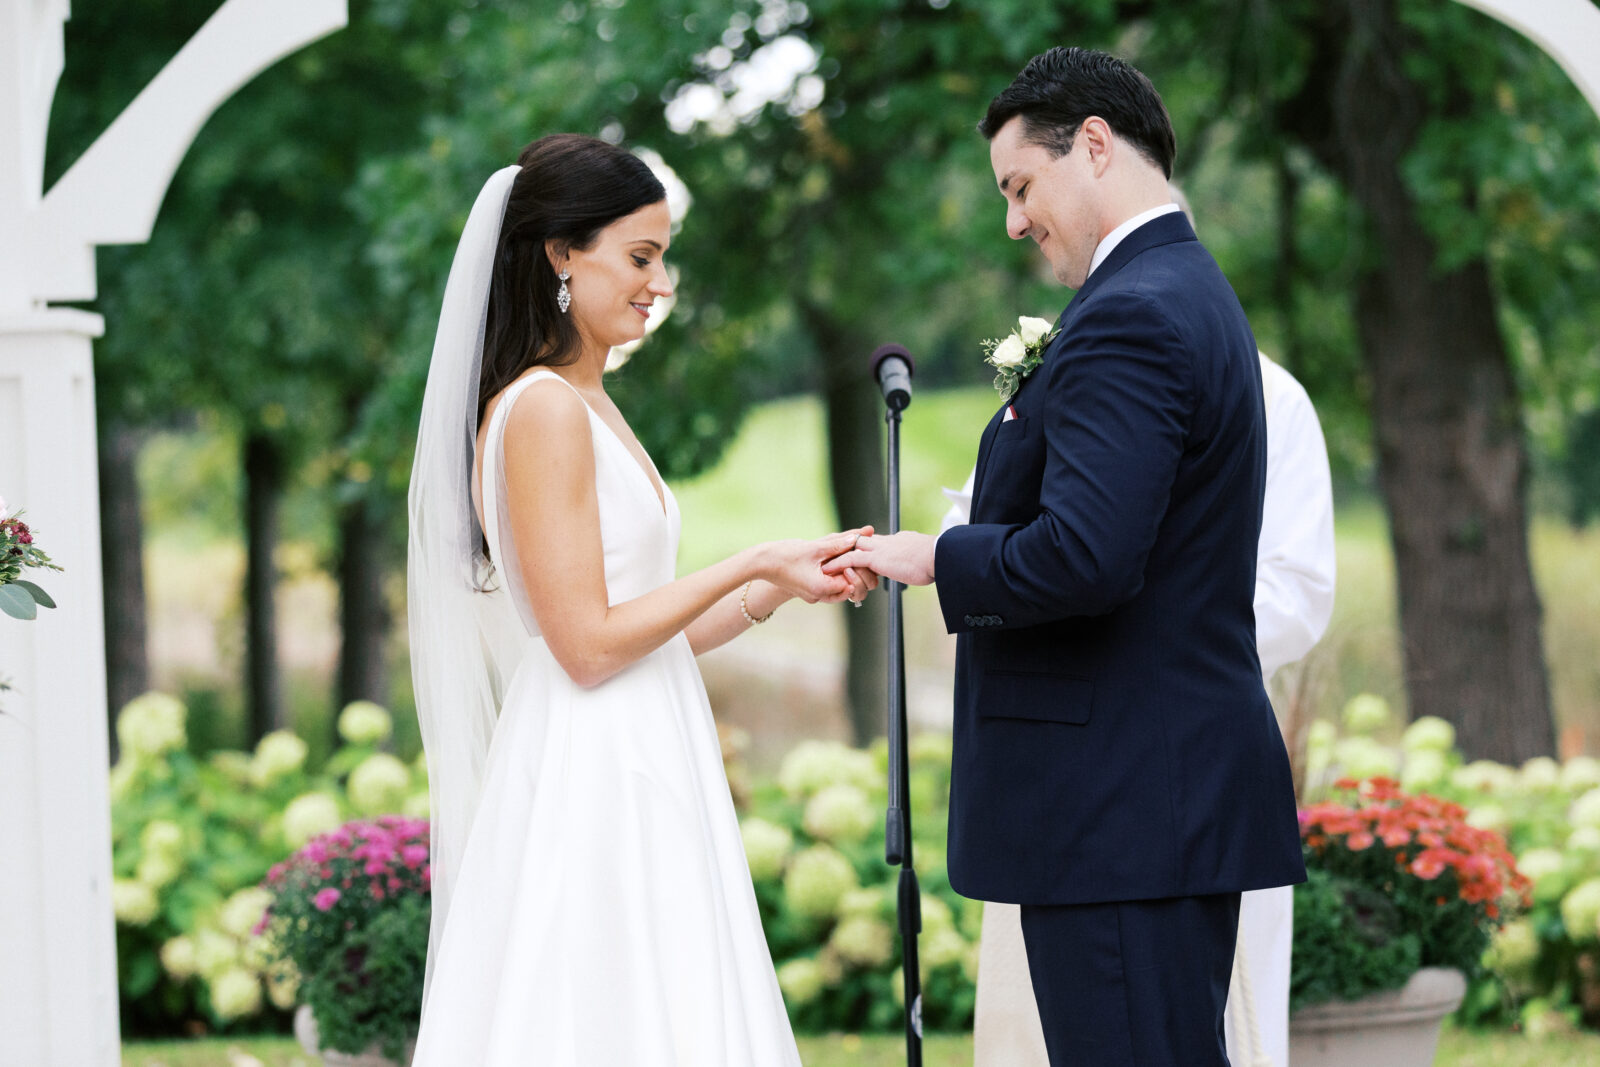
(591, 903)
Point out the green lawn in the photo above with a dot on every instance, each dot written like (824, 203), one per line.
(1458, 1048)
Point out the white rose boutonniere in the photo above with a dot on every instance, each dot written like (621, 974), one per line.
(1017, 355)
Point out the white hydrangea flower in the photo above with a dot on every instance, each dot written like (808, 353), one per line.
(801, 981)
(307, 816)
(257, 952)
(161, 835)
(243, 910)
(1515, 947)
(1585, 810)
(811, 765)
(133, 902)
(279, 754)
(817, 878)
(283, 985)
(178, 958)
(1485, 776)
(1489, 817)
(1032, 329)
(1366, 713)
(1584, 839)
(235, 994)
(1429, 732)
(1423, 769)
(766, 847)
(1580, 773)
(1543, 867)
(151, 725)
(1580, 912)
(364, 723)
(840, 813)
(936, 914)
(863, 942)
(1009, 353)
(379, 785)
(418, 806)
(1540, 775)
(1362, 757)
(214, 952)
(235, 766)
(157, 869)
(862, 903)
(941, 948)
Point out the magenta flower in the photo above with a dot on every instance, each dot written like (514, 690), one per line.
(326, 898)
(414, 855)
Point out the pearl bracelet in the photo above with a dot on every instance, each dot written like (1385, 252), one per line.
(744, 606)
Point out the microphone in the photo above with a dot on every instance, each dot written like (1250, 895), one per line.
(891, 365)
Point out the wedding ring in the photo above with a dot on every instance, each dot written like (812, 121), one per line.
(855, 603)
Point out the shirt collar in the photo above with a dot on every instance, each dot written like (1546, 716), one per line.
(1114, 238)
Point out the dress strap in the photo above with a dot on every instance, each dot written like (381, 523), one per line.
(494, 453)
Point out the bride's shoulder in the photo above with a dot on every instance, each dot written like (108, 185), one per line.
(545, 414)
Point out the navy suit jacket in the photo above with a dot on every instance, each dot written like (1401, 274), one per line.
(1113, 739)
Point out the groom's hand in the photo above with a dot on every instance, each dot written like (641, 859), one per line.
(905, 557)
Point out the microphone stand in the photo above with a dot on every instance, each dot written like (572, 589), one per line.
(897, 826)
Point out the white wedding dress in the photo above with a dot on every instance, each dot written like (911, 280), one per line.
(603, 915)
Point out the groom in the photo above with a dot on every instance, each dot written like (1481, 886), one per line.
(1118, 770)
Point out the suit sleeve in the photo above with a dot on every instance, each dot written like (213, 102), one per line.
(1119, 395)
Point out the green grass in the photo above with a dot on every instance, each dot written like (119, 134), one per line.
(1457, 1048)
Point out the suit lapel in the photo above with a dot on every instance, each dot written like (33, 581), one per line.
(1164, 229)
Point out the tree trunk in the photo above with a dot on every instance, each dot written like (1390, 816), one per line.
(854, 410)
(1446, 417)
(263, 473)
(363, 617)
(122, 570)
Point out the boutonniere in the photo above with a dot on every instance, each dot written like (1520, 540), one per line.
(1019, 354)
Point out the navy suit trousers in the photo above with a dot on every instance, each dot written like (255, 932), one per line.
(1138, 983)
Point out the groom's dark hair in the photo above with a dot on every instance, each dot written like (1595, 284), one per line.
(1060, 88)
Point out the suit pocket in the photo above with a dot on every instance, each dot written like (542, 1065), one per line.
(1013, 430)
(1035, 695)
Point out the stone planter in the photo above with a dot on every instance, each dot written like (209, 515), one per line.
(305, 1031)
(1399, 1028)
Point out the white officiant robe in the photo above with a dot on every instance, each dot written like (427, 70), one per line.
(1293, 602)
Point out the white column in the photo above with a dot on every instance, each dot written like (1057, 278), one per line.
(58, 968)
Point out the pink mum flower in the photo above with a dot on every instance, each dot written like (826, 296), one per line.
(326, 898)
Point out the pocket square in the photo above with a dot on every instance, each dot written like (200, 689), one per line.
(1010, 414)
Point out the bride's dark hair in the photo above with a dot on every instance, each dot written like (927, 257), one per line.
(571, 187)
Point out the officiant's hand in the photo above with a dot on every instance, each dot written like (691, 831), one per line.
(906, 557)
(796, 567)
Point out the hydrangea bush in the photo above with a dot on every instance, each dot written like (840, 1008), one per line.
(192, 839)
(1542, 968)
(814, 840)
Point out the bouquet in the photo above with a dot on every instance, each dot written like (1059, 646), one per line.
(350, 912)
(18, 598)
(1396, 883)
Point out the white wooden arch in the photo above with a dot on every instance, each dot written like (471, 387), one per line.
(58, 970)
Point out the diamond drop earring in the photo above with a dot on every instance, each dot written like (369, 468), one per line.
(563, 296)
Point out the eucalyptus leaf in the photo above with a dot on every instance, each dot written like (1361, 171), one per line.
(39, 595)
(16, 603)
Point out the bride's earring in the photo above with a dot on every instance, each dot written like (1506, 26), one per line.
(563, 296)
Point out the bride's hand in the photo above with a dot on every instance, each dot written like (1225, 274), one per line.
(796, 567)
